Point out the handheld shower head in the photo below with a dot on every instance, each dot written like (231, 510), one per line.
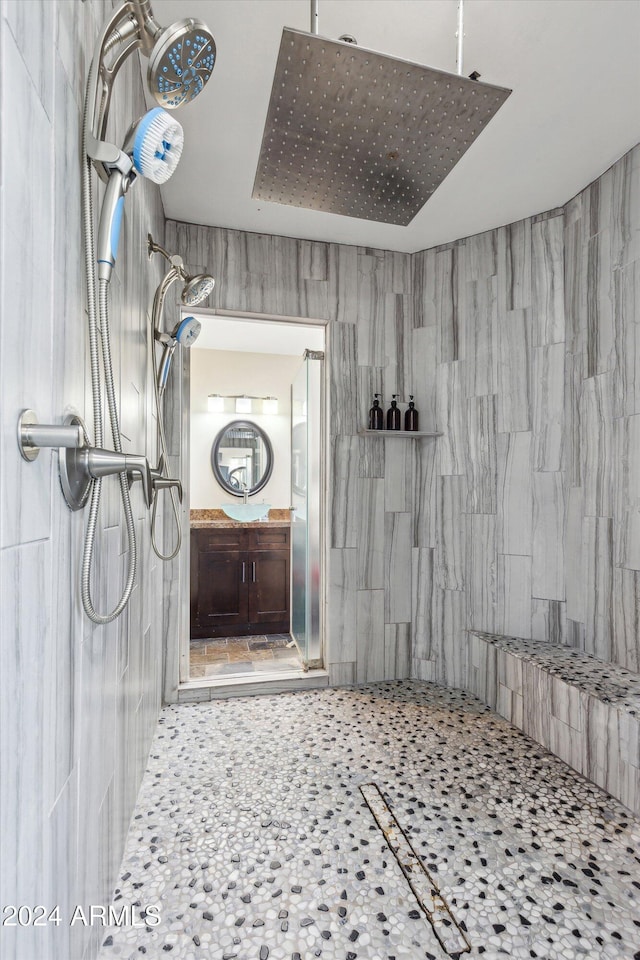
(197, 289)
(185, 333)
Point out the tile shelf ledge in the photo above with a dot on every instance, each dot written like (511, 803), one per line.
(398, 433)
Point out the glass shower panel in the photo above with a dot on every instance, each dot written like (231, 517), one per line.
(306, 440)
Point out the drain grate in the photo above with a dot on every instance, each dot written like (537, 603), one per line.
(362, 134)
(450, 935)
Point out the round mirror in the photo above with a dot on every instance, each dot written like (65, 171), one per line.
(242, 458)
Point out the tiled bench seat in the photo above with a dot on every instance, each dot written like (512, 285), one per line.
(585, 711)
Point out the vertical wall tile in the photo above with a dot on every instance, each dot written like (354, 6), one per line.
(480, 338)
(514, 595)
(424, 493)
(448, 305)
(370, 663)
(548, 398)
(397, 567)
(600, 319)
(514, 371)
(481, 455)
(626, 382)
(548, 536)
(598, 587)
(343, 283)
(370, 541)
(626, 449)
(450, 418)
(514, 266)
(422, 590)
(576, 557)
(397, 650)
(626, 618)
(515, 496)
(625, 202)
(450, 536)
(398, 476)
(596, 445)
(449, 634)
(422, 380)
(344, 498)
(345, 416)
(424, 288)
(481, 572)
(547, 281)
(342, 628)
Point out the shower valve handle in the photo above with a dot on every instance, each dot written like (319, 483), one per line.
(163, 483)
(104, 463)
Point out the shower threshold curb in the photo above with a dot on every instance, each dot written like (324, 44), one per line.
(195, 690)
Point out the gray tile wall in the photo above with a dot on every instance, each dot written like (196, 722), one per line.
(78, 703)
(535, 486)
(523, 517)
(366, 298)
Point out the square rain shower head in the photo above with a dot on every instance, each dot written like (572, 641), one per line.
(361, 134)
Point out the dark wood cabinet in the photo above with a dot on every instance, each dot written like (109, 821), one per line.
(239, 581)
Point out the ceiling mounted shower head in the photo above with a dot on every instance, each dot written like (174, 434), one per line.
(181, 62)
(197, 289)
(362, 134)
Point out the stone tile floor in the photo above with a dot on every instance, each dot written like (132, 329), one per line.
(252, 839)
(233, 656)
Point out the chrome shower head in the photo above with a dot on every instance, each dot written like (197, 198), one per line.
(181, 63)
(197, 289)
(181, 57)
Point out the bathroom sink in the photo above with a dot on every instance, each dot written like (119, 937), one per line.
(245, 512)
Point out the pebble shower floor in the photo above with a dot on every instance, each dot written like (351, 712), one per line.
(252, 838)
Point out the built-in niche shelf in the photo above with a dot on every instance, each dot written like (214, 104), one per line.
(412, 434)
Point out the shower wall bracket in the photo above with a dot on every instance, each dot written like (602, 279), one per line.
(79, 464)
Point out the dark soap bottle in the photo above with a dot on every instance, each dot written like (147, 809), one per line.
(376, 417)
(393, 415)
(411, 416)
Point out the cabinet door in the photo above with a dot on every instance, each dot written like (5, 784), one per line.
(269, 589)
(219, 590)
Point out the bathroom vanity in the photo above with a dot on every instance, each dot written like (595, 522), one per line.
(240, 578)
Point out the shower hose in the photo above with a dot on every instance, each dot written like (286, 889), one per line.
(94, 352)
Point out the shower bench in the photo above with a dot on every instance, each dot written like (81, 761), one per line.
(584, 710)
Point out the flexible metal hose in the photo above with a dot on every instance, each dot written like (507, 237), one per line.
(94, 351)
(162, 440)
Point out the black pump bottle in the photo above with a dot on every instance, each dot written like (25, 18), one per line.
(411, 416)
(376, 417)
(393, 415)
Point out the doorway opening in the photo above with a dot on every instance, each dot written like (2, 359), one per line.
(256, 463)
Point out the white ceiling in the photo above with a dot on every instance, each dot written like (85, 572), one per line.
(256, 336)
(573, 65)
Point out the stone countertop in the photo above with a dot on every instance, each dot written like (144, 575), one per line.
(201, 519)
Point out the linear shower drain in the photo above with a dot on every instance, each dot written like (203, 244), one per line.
(450, 935)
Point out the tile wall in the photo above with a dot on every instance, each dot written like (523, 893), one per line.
(78, 703)
(534, 361)
(365, 297)
(521, 346)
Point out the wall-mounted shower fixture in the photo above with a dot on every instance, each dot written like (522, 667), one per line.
(181, 58)
(363, 134)
(196, 288)
(79, 463)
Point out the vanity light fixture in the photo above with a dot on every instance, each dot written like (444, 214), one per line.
(243, 404)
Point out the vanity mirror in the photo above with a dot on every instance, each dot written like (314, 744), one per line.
(242, 458)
